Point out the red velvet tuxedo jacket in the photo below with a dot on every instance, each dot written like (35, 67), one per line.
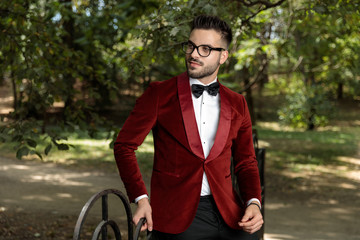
(166, 108)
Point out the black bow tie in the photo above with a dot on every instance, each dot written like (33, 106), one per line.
(198, 89)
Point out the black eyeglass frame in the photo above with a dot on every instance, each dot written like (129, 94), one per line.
(185, 46)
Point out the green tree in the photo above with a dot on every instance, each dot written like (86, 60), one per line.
(61, 51)
(318, 45)
(91, 55)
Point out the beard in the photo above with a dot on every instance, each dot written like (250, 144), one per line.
(205, 71)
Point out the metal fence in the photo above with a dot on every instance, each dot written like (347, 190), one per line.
(102, 227)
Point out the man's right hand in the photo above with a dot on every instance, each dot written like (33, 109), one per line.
(144, 211)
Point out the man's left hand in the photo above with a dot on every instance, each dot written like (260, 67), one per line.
(252, 219)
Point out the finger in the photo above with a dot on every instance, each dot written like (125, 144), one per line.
(253, 226)
(254, 230)
(248, 223)
(136, 220)
(257, 228)
(149, 221)
(257, 220)
(247, 216)
(144, 227)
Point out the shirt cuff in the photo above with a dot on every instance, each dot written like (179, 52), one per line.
(254, 200)
(140, 197)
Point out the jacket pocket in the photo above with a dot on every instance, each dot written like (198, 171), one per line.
(166, 173)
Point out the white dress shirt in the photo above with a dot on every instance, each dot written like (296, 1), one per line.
(207, 114)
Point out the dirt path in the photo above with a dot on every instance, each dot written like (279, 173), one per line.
(42, 201)
(323, 205)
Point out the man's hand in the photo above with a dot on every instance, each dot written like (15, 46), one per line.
(252, 219)
(144, 211)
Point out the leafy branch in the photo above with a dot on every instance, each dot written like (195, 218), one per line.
(258, 76)
(267, 5)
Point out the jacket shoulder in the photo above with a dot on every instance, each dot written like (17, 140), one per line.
(232, 94)
(237, 100)
(168, 83)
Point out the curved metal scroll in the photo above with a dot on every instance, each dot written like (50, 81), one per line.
(141, 222)
(102, 226)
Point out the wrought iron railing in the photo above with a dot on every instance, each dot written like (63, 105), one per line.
(102, 227)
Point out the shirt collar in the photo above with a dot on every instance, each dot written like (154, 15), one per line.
(195, 81)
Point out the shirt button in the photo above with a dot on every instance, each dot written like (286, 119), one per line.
(203, 122)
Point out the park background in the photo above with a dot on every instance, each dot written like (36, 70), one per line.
(70, 71)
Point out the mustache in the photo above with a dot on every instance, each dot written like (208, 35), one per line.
(195, 61)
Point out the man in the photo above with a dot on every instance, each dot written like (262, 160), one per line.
(196, 131)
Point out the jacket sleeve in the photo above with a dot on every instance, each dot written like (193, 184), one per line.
(137, 126)
(245, 163)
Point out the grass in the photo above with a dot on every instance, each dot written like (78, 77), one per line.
(85, 152)
(295, 150)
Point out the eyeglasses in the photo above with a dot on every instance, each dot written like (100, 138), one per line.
(203, 50)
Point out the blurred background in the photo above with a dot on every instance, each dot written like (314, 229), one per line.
(71, 70)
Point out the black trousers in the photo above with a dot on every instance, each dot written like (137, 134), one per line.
(207, 225)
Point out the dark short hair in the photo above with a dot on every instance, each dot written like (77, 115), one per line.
(215, 23)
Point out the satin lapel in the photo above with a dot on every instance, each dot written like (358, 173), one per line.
(224, 126)
(188, 114)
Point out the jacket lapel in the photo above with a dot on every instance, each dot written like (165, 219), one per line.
(223, 127)
(189, 119)
(188, 114)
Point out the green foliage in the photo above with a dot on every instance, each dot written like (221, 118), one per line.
(305, 106)
(316, 46)
(60, 52)
(91, 55)
(28, 137)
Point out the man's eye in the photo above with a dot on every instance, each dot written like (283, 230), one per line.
(205, 48)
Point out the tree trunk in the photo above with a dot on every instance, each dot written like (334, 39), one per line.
(2, 79)
(249, 97)
(264, 78)
(69, 41)
(13, 84)
(340, 91)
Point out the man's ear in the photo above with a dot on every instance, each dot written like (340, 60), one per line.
(224, 56)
